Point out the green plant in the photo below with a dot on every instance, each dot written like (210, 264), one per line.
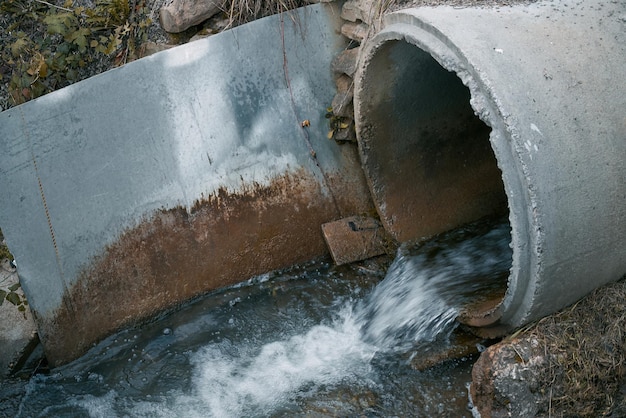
(52, 46)
(11, 295)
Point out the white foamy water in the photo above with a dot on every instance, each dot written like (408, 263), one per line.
(241, 383)
(285, 343)
(244, 380)
(424, 289)
(417, 302)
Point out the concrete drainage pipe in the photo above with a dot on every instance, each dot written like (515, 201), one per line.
(463, 112)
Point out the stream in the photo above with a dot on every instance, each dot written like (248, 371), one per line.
(313, 340)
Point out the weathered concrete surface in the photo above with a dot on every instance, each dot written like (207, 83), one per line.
(173, 175)
(543, 78)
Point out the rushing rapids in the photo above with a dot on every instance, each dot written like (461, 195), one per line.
(313, 339)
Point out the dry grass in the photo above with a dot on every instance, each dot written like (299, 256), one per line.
(585, 347)
(243, 11)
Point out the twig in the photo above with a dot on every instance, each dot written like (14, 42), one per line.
(54, 5)
(518, 354)
(550, 404)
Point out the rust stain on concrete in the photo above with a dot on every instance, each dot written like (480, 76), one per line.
(177, 254)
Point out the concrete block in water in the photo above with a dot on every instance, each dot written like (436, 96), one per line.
(355, 238)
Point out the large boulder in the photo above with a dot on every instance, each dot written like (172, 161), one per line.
(506, 380)
(572, 363)
(180, 15)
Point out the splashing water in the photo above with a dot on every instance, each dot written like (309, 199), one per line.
(426, 286)
(258, 382)
(285, 344)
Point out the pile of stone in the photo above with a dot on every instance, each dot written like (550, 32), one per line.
(358, 17)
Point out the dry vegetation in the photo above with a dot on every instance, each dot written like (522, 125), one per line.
(47, 45)
(242, 11)
(585, 347)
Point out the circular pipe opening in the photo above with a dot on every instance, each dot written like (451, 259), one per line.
(426, 154)
(430, 160)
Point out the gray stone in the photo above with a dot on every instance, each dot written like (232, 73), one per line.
(342, 104)
(357, 31)
(344, 83)
(506, 380)
(351, 11)
(180, 15)
(355, 10)
(345, 62)
(343, 110)
(198, 36)
(345, 135)
(150, 48)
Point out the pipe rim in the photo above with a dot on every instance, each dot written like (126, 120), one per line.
(523, 216)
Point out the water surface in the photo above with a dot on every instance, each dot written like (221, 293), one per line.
(314, 340)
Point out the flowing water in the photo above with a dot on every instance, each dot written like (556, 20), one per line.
(314, 340)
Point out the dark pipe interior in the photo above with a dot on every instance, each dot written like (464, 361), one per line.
(427, 156)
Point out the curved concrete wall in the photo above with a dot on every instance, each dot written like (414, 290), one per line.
(461, 112)
(185, 171)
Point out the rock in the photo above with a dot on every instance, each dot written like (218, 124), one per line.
(180, 15)
(506, 380)
(199, 36)
(149, 48)
(344, 83)
(342, 104)
(351, 11)
(345, 134)
(345, 62)
(355, 31)
(354, 10)
(567, 364)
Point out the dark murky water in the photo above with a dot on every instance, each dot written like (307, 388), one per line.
(314, 340)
